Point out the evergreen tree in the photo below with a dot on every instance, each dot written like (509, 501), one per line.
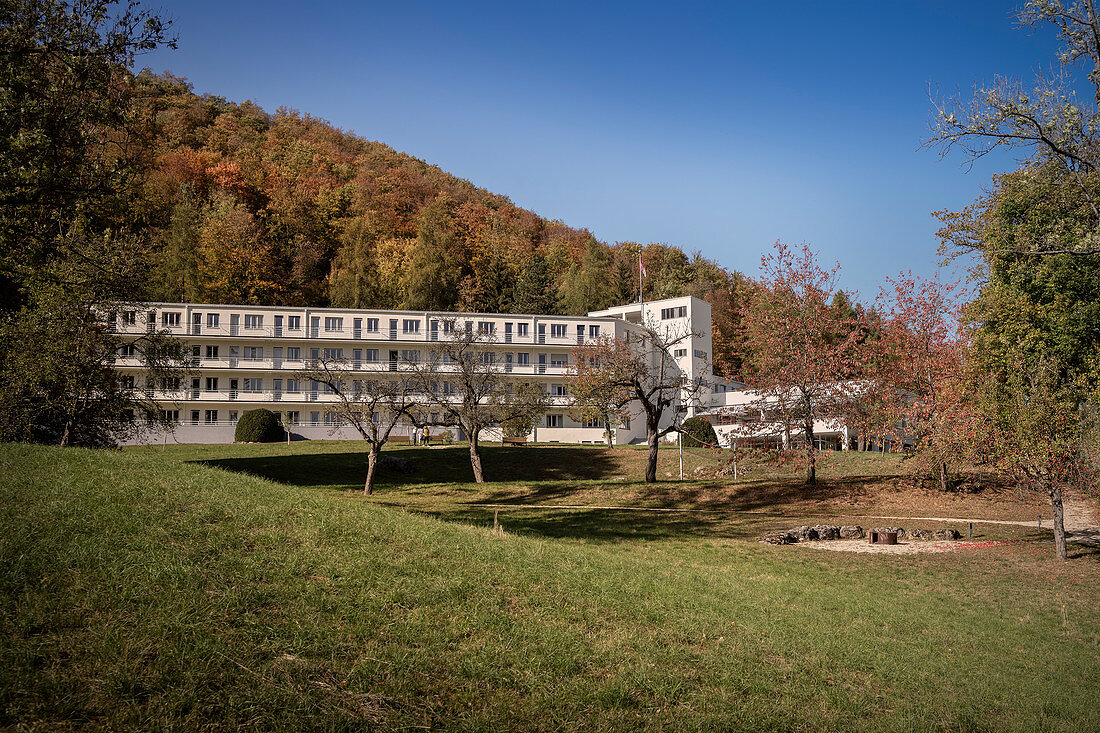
(353, 282)
(497, 286)
(434, 272)
(587, 285)
(535, 291)
(176, 276)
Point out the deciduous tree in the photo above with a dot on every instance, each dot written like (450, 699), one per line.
(373, 402)
(637, 377)
(801, 352)
(463, 382)
(921, 368)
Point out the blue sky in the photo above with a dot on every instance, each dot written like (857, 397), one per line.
(712, 126)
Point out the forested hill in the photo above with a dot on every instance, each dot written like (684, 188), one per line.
(244, 205)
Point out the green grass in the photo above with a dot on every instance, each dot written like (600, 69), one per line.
(141, 589)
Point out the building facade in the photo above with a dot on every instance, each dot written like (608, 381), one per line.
(244, 357)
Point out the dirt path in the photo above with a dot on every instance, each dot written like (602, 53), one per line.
(1079, 520)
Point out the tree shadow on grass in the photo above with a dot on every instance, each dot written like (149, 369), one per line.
(611, 525)
(348, 470)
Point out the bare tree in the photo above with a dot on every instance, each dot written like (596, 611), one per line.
(599, 401)
(1055, 129)
(470, 390)
(637, 376)
(373, 402)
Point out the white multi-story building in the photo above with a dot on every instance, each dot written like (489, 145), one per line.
(243, 357)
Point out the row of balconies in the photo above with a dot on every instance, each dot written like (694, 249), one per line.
(236, 395)
(353, 334)
(553, 368)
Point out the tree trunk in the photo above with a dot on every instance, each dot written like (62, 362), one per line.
(372, 465)
(607, 434)
(811, 454)
(475, 458)
(651, 461)
(1059, 528)
(943, 475)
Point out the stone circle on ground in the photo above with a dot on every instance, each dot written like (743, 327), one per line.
(851, 532)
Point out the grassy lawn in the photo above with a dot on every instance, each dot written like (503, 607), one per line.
(182, 588)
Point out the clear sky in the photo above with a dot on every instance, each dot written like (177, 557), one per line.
(712, 126)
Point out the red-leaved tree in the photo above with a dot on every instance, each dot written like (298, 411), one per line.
(921, 370)
(803, 355)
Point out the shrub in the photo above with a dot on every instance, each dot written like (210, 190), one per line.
(259, 426)
(698, 432)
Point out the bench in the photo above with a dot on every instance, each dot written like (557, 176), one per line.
(513, 441)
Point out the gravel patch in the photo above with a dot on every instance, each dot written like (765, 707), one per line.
(902, 548)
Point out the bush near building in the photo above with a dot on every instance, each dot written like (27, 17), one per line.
(259, 426)
(698, 432)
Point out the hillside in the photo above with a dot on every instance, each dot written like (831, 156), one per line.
(142, 593)
(284, 208)
(238, 204)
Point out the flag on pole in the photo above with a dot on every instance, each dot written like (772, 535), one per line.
(641, 266)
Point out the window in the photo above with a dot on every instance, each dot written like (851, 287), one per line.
(170, 415)
(211, 417)
(127, 351)
(559, 390)
(253, 385)
(126, 382)
(487, 357)
(372, 325)
(332, 419)
(233, 416)
(314, 418)
(170, 384)
(371, 354)
(554, 421)
(410, 325)
(334, 324)
(294, 323)
(521, 329)
(292, 417)
(448, 327)
(211, 384)
(410, 356)
(128, 318)
(593, 332)
(212, 320)
(448, 388)
(169, 320)
(523, 358)
(211, 352)
(293, 353)
(557, 330)
(700, 354)
(253, 321)
(486, 327)
(559, 361)
(293, 385)
(253, 353)
(593, 423)
(334, 353)
(679, 353)
(677, 312)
